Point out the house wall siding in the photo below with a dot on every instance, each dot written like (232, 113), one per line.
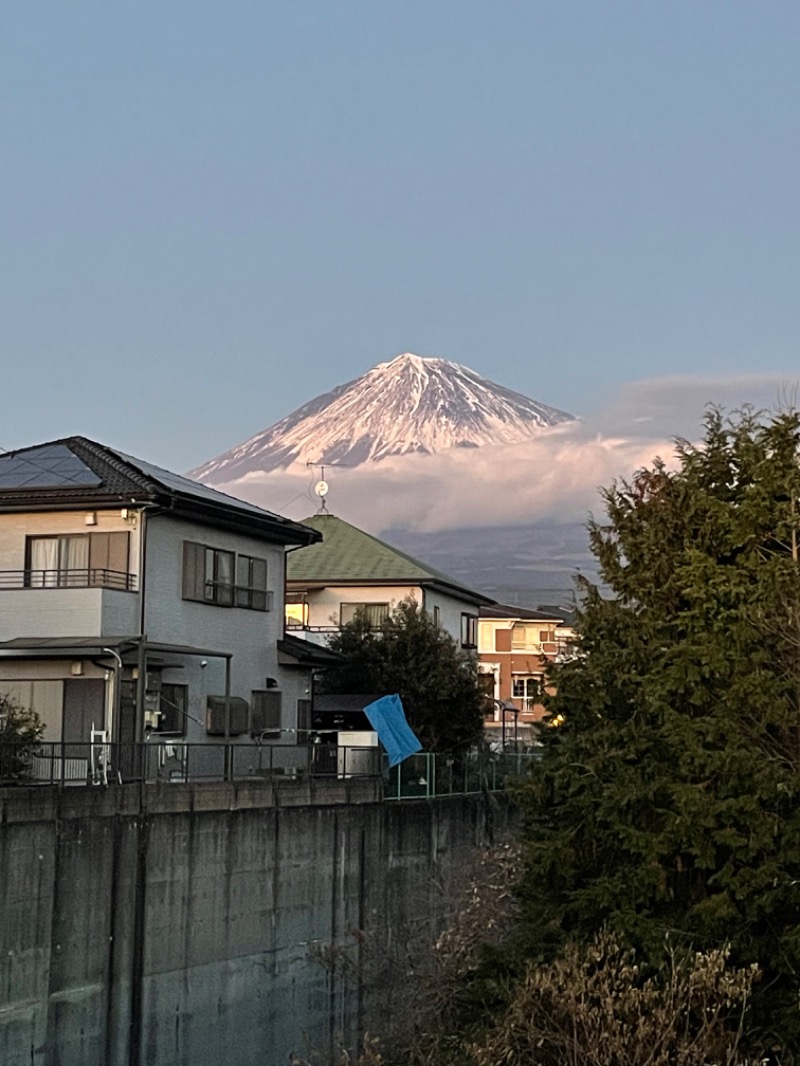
(250, 635)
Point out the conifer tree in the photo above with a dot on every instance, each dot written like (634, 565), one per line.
(667, 802)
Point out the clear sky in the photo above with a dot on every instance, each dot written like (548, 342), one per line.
(211, 212)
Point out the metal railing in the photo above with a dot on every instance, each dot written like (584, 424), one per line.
(420, 776)
(70, 764)
(426, 774)
(82, 578)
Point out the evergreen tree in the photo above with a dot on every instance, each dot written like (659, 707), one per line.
(667, 801)
(414, 657)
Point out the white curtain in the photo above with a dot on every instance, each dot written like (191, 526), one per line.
(73, 558)
(44, 562)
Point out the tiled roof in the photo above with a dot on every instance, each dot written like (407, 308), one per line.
(348, 555)
(502, 611)
(78, 472)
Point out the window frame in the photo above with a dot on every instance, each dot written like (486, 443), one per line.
(252, 594)
(260, 696)
(65, 576)
(367, 607)
(174, 708)
(528, 700)
(205, 577)
(469, 630)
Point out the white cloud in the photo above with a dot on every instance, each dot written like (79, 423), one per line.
(555, 477)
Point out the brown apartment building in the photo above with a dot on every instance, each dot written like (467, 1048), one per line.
(514, 647)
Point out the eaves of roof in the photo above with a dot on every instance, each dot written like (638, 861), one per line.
(127, 481)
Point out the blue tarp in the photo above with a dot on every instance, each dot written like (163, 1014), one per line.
(388, 719)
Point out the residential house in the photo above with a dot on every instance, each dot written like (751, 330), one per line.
(142, 605)
(350, 570)
(514, 646)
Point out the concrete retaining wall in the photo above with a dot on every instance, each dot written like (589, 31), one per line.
(177, 925)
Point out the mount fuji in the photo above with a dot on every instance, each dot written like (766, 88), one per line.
(408, 405)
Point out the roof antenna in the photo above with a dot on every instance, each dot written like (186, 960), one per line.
(321, 488)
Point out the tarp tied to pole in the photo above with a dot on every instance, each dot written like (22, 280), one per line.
(388, 719)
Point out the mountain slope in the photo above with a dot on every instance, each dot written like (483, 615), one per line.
(410, 404)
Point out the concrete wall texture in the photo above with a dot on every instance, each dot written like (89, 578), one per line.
(177, 925)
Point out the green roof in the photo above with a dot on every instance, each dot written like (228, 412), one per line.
(350, 556)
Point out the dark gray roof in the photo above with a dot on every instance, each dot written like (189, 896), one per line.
(76, 472)
(501, 610)
(305, 653)
(60, 647)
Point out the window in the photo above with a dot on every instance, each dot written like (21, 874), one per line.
(524, 636)
(207, 574)
(78, 560)
(437, 615)
(211, 575)
(303, 721)
(267, 705)
(469, 631)
(172, 708)
(230, 715)
(296, 610)
(375, 613)
(527, 690)
(251, 583)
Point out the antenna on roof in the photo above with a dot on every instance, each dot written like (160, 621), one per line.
(321, 488)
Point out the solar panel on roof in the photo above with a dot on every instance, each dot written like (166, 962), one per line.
(53, 466)
(194, 488)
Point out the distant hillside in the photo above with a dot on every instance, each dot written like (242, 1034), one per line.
(522, 565)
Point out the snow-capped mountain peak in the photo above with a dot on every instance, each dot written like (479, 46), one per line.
(411, 403)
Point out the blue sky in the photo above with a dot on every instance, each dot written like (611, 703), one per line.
(212, 212)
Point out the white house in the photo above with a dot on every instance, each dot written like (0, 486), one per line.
(142, 604)
(349, 570)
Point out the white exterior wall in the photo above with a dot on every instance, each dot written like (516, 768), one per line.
(45, 612)
(251, 636)
(324, 606)
(451, 607)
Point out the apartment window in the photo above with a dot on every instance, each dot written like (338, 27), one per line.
(251, 583)
(374, 613)
(267, 706)
(296, 610)
(78, 560)
(208, 574)
(524, 636)
(469, 631)
(527, 690)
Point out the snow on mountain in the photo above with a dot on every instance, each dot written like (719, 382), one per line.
(409, 404)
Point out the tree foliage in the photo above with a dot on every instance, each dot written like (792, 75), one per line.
(410, 655)
(20, 733)
(668, 800)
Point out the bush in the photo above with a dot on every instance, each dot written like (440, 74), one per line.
(595, 1006)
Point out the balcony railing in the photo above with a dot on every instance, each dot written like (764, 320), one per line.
(103, 764)
(84, 578)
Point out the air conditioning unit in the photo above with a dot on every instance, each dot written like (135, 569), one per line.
(216, 716)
